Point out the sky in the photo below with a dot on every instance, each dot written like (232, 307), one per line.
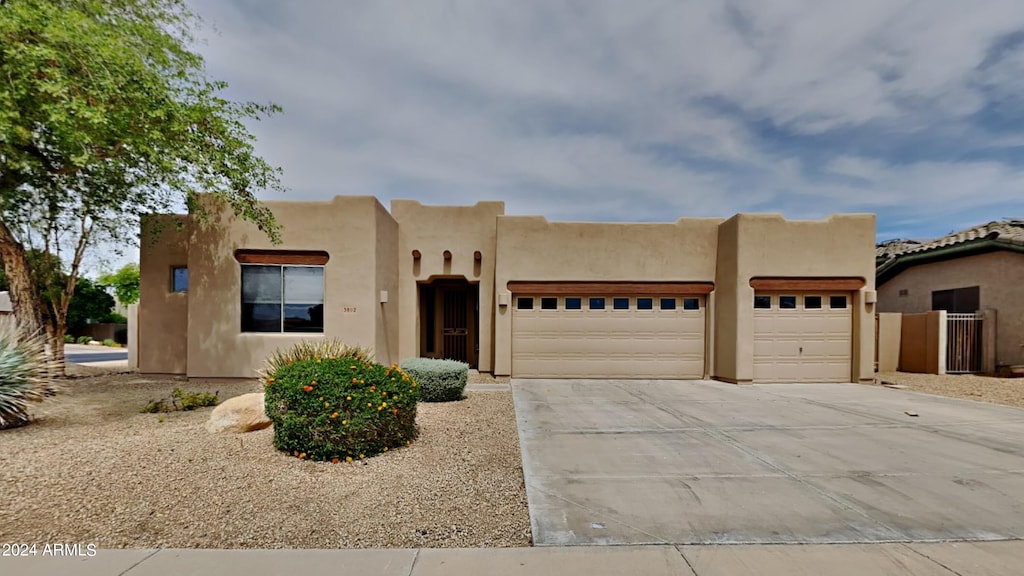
(636, 110)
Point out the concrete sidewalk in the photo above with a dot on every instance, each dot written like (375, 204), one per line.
(927, 559)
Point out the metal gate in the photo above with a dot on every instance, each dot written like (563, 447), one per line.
(963, 343)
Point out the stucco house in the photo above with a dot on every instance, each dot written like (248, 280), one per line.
(980, 268)
(751, 298)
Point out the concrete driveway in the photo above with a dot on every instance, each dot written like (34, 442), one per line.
(631, 462)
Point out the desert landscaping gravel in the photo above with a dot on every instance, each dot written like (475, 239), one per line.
(94, 470)
(1008, 391)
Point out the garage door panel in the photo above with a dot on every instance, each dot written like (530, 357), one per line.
(608, 343)
(802, 345)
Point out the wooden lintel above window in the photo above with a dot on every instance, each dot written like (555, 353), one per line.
(299, 257)
(838, 284)
(611, 288)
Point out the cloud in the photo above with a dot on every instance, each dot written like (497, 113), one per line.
(646, 110)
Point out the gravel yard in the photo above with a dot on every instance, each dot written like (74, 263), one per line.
(94, 470)
(1008, 391)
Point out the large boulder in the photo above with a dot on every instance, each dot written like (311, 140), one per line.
(243, 413)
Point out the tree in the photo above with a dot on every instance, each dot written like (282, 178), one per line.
(105, 116)
(125, 283)
(90, 303)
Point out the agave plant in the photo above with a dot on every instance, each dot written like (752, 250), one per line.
(306, 350)
(26, 375)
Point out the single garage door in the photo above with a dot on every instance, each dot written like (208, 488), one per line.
(802, 337)
(586, 336)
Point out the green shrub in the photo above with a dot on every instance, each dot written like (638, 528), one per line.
(69, 339)
(339, 407)
(25, 374)
(84, 339)
(109, 342)
(439, 380)
(316, 350)
(179, 400)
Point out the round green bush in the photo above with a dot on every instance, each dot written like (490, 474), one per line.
(340, 408)
(439, 380)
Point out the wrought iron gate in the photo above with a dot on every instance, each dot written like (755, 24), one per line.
(963, 343)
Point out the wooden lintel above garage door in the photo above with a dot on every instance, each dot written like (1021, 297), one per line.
(610, 288)
(835, 284)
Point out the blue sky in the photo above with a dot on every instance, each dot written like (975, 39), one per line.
(641, 110)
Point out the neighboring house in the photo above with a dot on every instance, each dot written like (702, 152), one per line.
(971, 270)
(6, 309)
(751, 298)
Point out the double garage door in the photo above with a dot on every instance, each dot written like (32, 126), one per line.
(802, 336)
(603, 336)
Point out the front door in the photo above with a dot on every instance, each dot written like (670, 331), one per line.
(448, 317)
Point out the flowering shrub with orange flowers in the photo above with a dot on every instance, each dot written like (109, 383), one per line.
(340, 408)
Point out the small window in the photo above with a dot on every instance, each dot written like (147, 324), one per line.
(762, 302)
(812, 302)
(573, 303)
(787, 302)
(524, 303)
(597, 303)
(904, 292)
(691, 303)
(837, 302)
(620, 303)
(668, 303)
(645, 303)
(179, 279)
(549, 303)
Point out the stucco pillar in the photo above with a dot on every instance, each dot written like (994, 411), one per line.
(988, 341)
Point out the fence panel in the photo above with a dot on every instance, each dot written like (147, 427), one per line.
(963, 343)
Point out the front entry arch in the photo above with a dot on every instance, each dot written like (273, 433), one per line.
(449, 320)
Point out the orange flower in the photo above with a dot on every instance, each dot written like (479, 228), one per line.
(384, 404)
(307, 388)
(335, 415)
(348, 397)
(384, 393)
(385, 448)
(369, 405)
(394, 410)
(355, 380)
(301, 456)
(334, 460)
(313, 382)
(373, 388)
(344, 422)
(348, 458)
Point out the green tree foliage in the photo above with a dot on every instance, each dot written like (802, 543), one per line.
(105, 116)
(125, 283)
(89, 303)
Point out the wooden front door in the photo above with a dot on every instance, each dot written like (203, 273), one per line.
(449, 320)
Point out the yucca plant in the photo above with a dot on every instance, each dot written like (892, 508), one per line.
(26, 375)
(312, 350)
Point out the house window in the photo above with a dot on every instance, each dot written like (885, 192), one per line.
(620, 303)
(668, 303)
(573, 303)
(282, 298)
(179, 279)
(524, 303)
(958, 301)
(597, 303)
(812, 302)
(762, 302)
(904, 292)
(645, 303)
(549, 303)
(691, 303)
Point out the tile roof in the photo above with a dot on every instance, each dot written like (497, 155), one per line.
(1010, 231)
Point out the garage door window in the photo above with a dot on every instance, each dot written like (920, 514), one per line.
(645, 303)
(620, 303)
(573, 303)
(668, 303)
(787, 302)
(597, 303)
(524, 303)
(837, 302)
(549, 303)
(812, 302)
(691, 303)
(762, 302)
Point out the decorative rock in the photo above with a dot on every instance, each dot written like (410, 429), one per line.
(243, 413)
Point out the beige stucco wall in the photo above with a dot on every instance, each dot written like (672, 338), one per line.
(345, 227)
(767, 245)
(1000, 278)
(163, 315)
(887, 344)
(431, 230)
(530, 248)
(386, 274)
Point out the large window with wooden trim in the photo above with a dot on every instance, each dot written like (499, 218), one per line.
(278, 296)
